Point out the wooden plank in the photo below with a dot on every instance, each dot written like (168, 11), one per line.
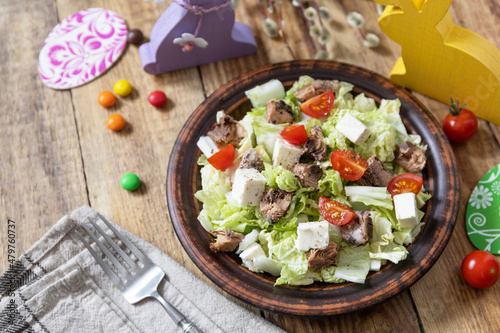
(445, 303)
(397, 314)
(41, 173)
(381, 318)
(143, 146)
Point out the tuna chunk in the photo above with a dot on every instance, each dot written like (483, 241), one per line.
(377, 174)
(308, 174)
(410, 156)
(274, 204)
(315, 147)
(227, 131)
(359, 230)
(227, 240)
(278, 112)
(317, 87)
(318, 259)
(251, 160)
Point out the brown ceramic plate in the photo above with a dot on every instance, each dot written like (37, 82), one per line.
(320, 299)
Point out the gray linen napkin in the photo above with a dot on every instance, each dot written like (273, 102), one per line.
(60, 288)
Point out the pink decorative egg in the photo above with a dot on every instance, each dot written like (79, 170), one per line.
(81, 48)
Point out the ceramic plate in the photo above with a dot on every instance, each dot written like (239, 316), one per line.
(441, 178)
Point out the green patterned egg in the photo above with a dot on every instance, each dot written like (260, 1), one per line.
(482, 218)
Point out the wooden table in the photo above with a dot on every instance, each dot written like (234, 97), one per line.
(56, 153)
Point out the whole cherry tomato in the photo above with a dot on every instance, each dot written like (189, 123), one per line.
(460, 124)
(295, 134)
(407, 182)
(480, 269)
(335, 212)
(222, 159)
(115, 122)
(318, 106)
(350, 165)
(106, 99)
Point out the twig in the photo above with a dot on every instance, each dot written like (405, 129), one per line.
(279, 10)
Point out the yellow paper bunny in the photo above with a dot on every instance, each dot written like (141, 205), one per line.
(440, 59)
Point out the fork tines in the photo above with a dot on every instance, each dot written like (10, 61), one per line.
(121, 268)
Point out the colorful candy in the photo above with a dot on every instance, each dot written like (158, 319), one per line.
(115, 122)
(130, 182)
(122, 88)
(135, 37)
(106, 99)
(157, 98)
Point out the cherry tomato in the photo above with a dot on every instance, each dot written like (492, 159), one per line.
(295, 134)
(106, 99)
(405, 183)
(115, 122)
(157, 98)
(335, 212)
(480, 269)
(222, 159)
(318, 106)
(460, 124)
(349, 164)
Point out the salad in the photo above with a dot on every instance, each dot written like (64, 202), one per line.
(313, 184)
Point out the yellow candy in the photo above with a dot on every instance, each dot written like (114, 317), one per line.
(122, 88)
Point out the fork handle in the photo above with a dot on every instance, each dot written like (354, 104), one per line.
(179, 319)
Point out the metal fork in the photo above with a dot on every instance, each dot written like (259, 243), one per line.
(145, 280)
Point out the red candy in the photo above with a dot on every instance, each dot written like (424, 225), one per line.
(157, 98)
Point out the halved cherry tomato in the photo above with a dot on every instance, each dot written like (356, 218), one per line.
(335, 212)
(405, 183)
(480, 269)
(349, 164)
(318, 106)
(222, 159)
(295, 134)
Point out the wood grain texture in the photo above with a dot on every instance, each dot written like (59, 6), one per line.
(55, 149)
(41, 174)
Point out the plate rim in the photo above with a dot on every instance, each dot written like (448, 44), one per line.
(305, 307)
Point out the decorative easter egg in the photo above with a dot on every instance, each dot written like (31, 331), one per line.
(81, 48)
(483, 213)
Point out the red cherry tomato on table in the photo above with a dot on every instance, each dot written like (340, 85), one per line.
(157, 98)
(350, 165)
(295, 134)
(405, 183)
(460, 124)
(480, 269)
(335, 212)
(318, 106)
(222, 159)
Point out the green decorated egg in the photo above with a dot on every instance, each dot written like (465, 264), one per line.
(482, 218)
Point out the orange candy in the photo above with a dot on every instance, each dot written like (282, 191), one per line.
(115, 122)
(106, 99)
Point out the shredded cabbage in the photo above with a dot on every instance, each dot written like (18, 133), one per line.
(272, 248)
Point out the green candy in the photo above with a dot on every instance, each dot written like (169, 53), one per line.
(130, 181)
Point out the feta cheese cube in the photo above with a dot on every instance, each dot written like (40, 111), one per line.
(249, 256)
(312, 235)
(248, 187)
(353, 129)
(406, 209)
(286, 154)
